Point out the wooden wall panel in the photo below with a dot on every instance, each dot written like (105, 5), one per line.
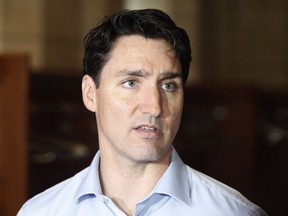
(13, 132)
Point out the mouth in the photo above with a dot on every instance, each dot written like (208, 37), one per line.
(146, 128)
(148, 131)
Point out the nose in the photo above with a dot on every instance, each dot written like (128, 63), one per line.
(151, 102)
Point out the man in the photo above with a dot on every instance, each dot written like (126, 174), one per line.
(135, 65)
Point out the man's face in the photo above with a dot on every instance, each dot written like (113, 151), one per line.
(139, 101)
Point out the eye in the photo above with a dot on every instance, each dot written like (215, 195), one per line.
(170, 87)
(130, 83)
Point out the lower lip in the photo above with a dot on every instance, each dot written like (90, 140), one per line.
(148, 134)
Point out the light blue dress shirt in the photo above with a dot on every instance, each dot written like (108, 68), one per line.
(181, 191)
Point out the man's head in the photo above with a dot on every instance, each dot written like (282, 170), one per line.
(136, 63)
(150, 23)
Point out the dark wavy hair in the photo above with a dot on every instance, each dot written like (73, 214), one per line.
(149, 23)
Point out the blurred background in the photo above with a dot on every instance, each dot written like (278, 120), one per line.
(235, 120)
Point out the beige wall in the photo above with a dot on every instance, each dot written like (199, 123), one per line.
(1, 25)
(22, 28)
(245, 41)
(51, 32)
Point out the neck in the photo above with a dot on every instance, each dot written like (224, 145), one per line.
(134, 180)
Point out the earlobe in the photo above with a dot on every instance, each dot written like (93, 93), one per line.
(89, 93)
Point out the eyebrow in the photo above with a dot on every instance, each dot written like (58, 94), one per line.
(141, 73)
(170, 75)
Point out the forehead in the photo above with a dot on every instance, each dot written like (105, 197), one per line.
(136, 42)
(138, 50)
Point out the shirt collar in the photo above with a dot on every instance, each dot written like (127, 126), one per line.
(90, 181)
(174, 182)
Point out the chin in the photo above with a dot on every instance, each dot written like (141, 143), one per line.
(152, 154)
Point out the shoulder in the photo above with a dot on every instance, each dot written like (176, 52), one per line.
(206, 191)
(54, 197)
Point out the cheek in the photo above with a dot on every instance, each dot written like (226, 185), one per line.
(113, 106)
(176, 114)
(176, 107)
(177, 118)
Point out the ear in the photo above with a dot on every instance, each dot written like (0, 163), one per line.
(89, 93)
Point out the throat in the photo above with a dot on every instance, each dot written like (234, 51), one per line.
(128, 183)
